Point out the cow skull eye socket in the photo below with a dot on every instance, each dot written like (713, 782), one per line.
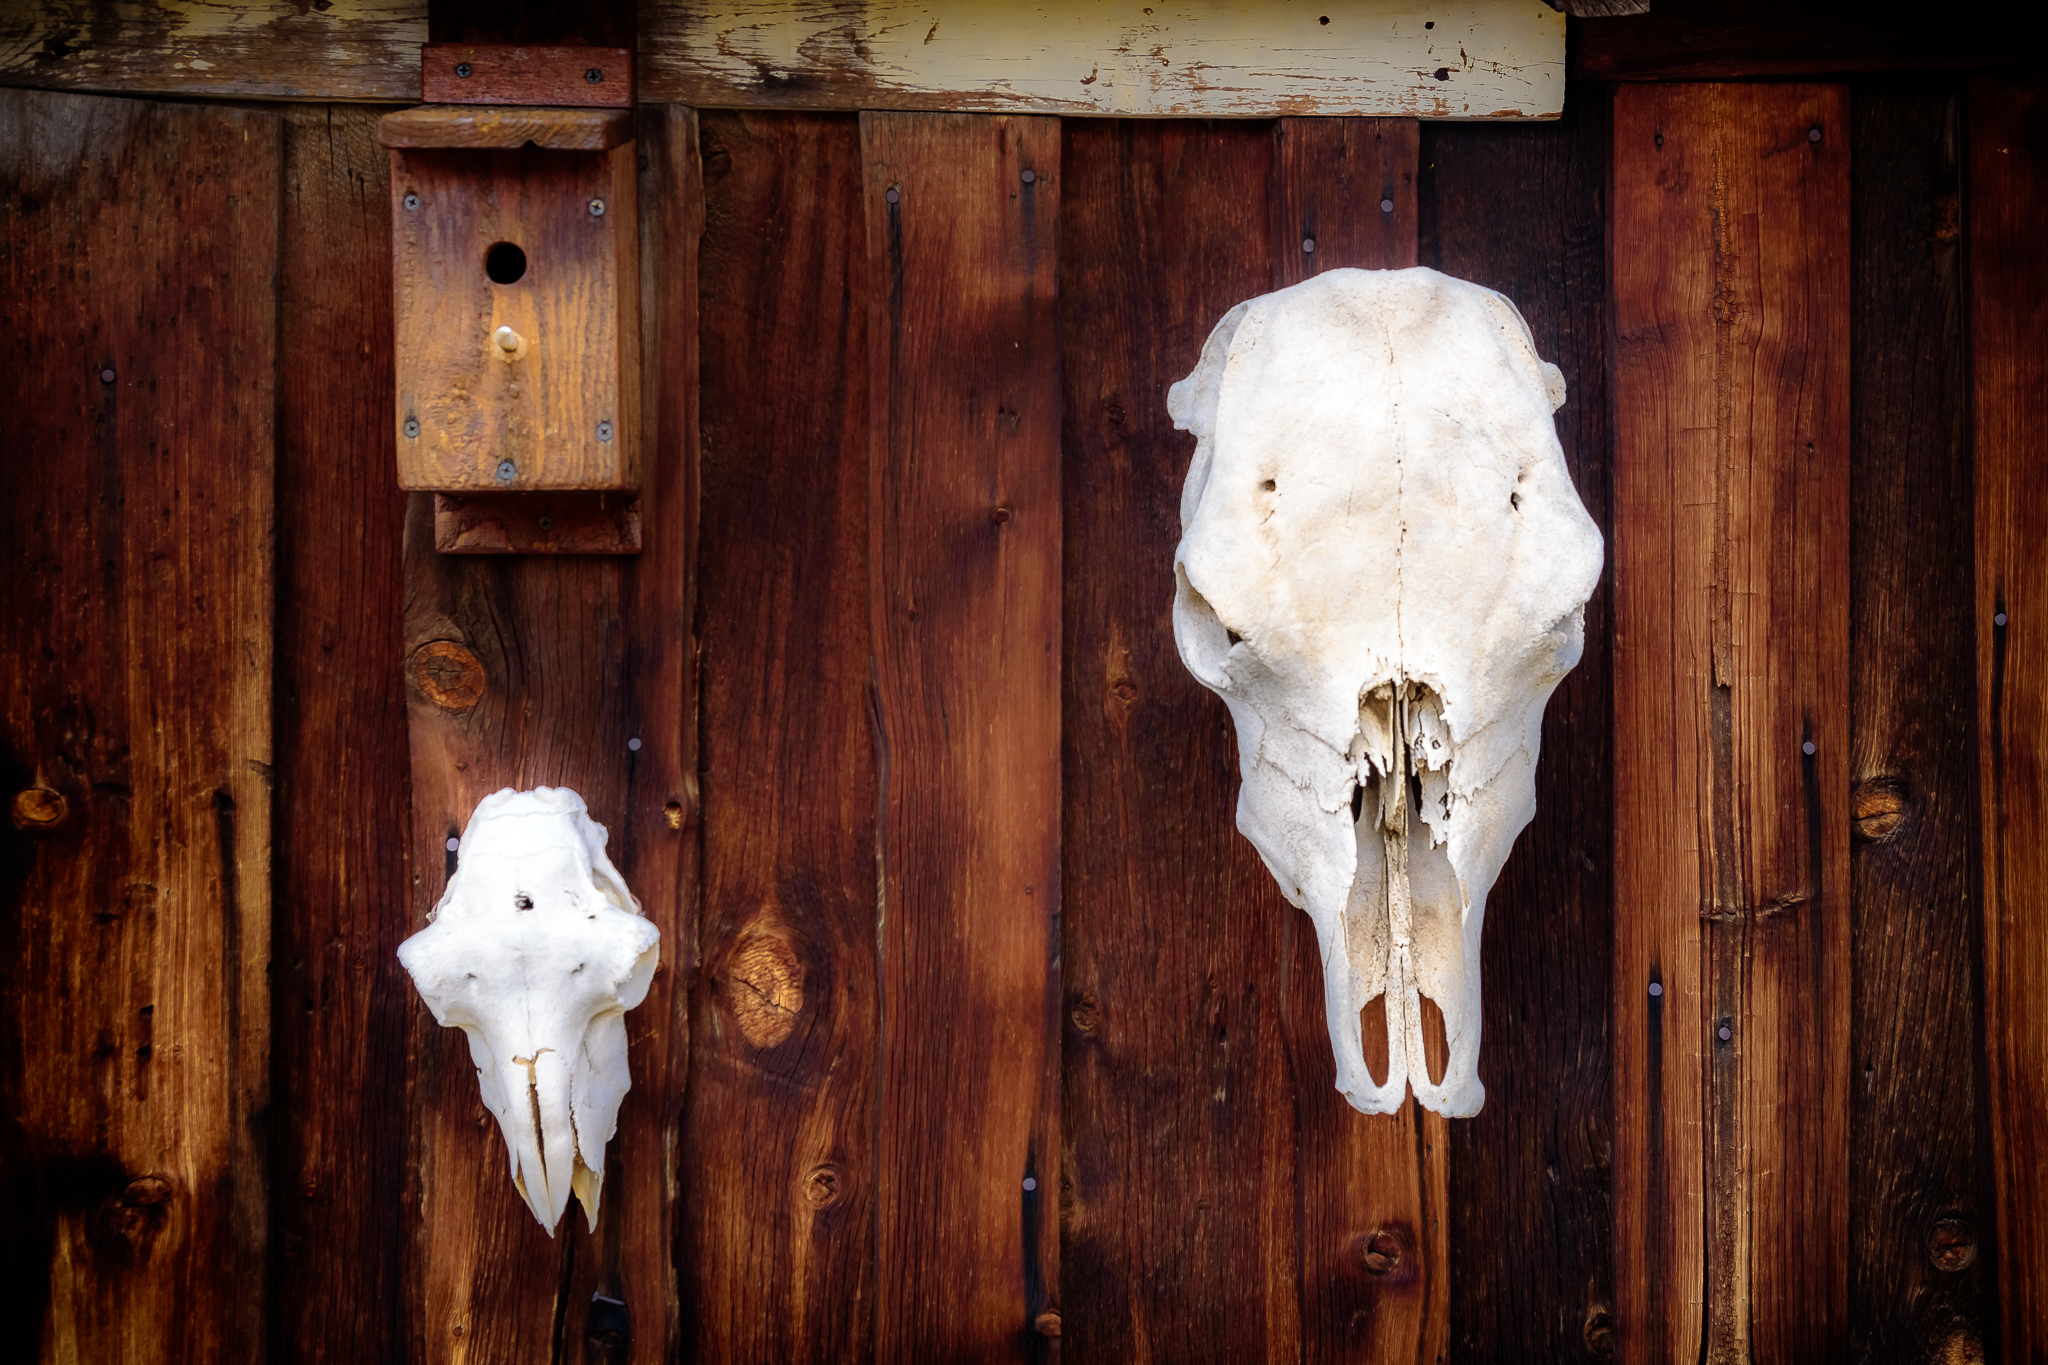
(1386, 636)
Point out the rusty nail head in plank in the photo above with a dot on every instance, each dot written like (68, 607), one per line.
(892, 195)
(634, 744)
(1030, 176)
(1997, 620)
(1813, 133)
(1308, 244)
(1724, 1033)
(1656, 988)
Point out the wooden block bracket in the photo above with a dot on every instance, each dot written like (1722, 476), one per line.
(517, 73)
(537, 524)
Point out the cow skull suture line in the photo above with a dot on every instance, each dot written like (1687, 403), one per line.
(536, 951)
(1383, 572)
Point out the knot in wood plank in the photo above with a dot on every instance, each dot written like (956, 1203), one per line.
(1880, 806)
(39, 808)
(448, 675)
(766, 987)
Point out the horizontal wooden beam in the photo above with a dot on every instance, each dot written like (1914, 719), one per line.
(1501, 59)
(345, 50)
(1180, 58)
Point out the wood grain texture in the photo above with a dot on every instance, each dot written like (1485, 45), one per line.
(1519, 208)
(1374, 1255)
(1919, 1289)
(1693, 40)
(343, 884)
(1179, 1205)
(494, 128)
(219, 49)
(2008, 122)
(778, 1159)
(536, 671)
(553, 403)
(140, 244)
(1175, 58)
(964, 500)
(537, 524)
(1729, 277)
(1343, 195)
(508, 73)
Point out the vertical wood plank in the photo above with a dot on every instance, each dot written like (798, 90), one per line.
(1343, 195)
(1785, 256)
(1918, 1287)
(2008, 121)
(1520, 209)
(1374, 1257)
(1664, 419)
(778, 1168)
(1730, 295)
(140, 250)
(341, 999)
(1179, 1134)
(965, 552)
(532, 671)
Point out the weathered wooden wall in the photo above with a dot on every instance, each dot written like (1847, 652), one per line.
(135, 724)
(1730, 288)
(2008, 169)
(981, 1033)
(1918, 1211)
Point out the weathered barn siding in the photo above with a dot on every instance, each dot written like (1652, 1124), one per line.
(135, 724)
(884, 1026)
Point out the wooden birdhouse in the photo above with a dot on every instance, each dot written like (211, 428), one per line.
(516, 273)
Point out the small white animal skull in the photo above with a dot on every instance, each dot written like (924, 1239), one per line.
(1383, 571)
(536, 952)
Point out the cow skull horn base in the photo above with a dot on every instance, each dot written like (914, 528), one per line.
(536, 952)
(1383, 571)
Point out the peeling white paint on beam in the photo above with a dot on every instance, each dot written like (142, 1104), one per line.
(1250, 58)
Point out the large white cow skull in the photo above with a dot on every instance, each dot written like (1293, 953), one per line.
(536, 952)
(1383, 571)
